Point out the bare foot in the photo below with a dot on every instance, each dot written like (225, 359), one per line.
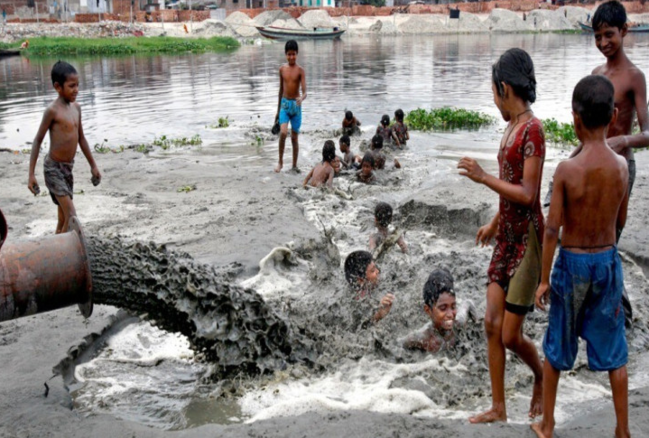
(620, 434)
(295, 169)
(490, 416)
(536, 405)
(540, 431)
(278, 169)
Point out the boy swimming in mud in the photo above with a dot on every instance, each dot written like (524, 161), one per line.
(63, 121)
(382, 220)
(366, 174)
(349, 160)
(515, 267)
(362, 275)
(441, 307)
(323, 173)
(386, 132)
(292, 78)
(587, 282)
(351, 125)
(379, 158)
(400, 129)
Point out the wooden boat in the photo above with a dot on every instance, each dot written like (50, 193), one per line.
(9, 52)
(281, 33)
(640, 28)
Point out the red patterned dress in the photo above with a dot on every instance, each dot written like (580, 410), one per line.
(515, 219)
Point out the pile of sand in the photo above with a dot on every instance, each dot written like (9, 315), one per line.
(317, 18)
(210, 28)
(269, 17)
(384, 27)
(422, 25)
(546, 20)
(291, 23)
(574, 14)
(467, 23)
(242, 25)
(504, 20)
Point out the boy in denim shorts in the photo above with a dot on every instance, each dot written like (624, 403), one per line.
(590, 197)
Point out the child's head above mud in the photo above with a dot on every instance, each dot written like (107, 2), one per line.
(514, 69)
(328, 151)
(398, 115)
(360, 270)
(61, 72)
(367, 162)
(439, 299)
(609, 14)
(349, 116)
(593, 102)
(385, 120)
(344, 143)
(383, 214)
(377, 142)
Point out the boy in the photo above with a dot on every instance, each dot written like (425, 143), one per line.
(289, 107)
(323, 173)
(363, 276)
(349, 161)
(366, 173)
(351, 124)
(379, 158)
(400, 129)
(441, 307)
(382, 220)
(586, 294)
(63, 120)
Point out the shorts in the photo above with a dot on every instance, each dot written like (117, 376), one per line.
(290, 111)
(521, 288)
(586, 301)
(58, 178)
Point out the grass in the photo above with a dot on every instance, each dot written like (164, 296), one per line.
(223, 122)
(557, 133)
(103, 148)
(44, 46)
(446, 119)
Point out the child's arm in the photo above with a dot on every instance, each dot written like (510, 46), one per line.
(551, 237)
(48, 118)
(384, 308)
(393, 134)
(407, 133)
(300, 99)
(358, 122)
(85, 148)
(308, 177)
(281, 93)
(488, 232)
(640, 140)
(372, 243)
(330, 179)
(621, 214)
(402, 244)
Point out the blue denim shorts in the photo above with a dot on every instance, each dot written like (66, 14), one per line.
(586, 301)
(290, 111)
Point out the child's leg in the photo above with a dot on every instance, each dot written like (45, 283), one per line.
(61, 220)
(282, 142)
(620, 385)
(516, 341)
(296, 148)
(493, 322)
(67, 208)
(545, 427)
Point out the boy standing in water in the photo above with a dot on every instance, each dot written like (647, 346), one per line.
(63, 120)
(587, 283)
(289, 107)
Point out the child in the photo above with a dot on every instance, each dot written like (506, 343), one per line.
(400, 129)
(587, 279)
(382, 219)
(349, 161)
(441, 307)
(518, 228)
(363, 276)
(323, 173)
(366, 173)
(351, 124)
(63, 120)
(379, 158)
(289, 107)
(386, 132)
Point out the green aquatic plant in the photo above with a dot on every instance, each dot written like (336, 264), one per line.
(223, 122)
(446, 118)
(186, 189)
(560, 134)
(103, 148)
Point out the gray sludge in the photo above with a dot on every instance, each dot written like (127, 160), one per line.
(231, 326)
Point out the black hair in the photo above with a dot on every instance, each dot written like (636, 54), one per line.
(516, 69)
(368, 158)
(345, 139)
(385, 120)
(356, 265)
(398, 114)
(61, 71)
(611, 13)
(329, 151)
(290, 45)
(349, 115)
(593, 100)
(439, 281)
(383, 214)
(377, 142)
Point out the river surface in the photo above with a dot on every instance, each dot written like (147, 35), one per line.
(143, 374)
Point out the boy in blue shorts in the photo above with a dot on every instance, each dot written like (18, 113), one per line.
(590, 197)
(289, 107)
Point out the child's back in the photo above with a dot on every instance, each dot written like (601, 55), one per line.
(323, 173)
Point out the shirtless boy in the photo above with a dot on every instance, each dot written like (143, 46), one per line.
(362, 275)
(349, 161)
(351, 125)
(289, 107)
(63, 120)
(323, 173)
(366, 174)
(382, 220)
(587, 283)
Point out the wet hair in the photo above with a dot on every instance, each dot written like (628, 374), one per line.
(356, 265)
(611, 13)
(439, 281)
(516, 69)
(368, 158)
(385, 120)
(345, 139)
(61, 71)
(377, 142)
(329, 151)
(383, 214)
(290, 45)
(398, 114)
(349, 115)
(593, 100)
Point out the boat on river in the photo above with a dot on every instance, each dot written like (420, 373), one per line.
(640, 28)
(317, 33)
(9, 52)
